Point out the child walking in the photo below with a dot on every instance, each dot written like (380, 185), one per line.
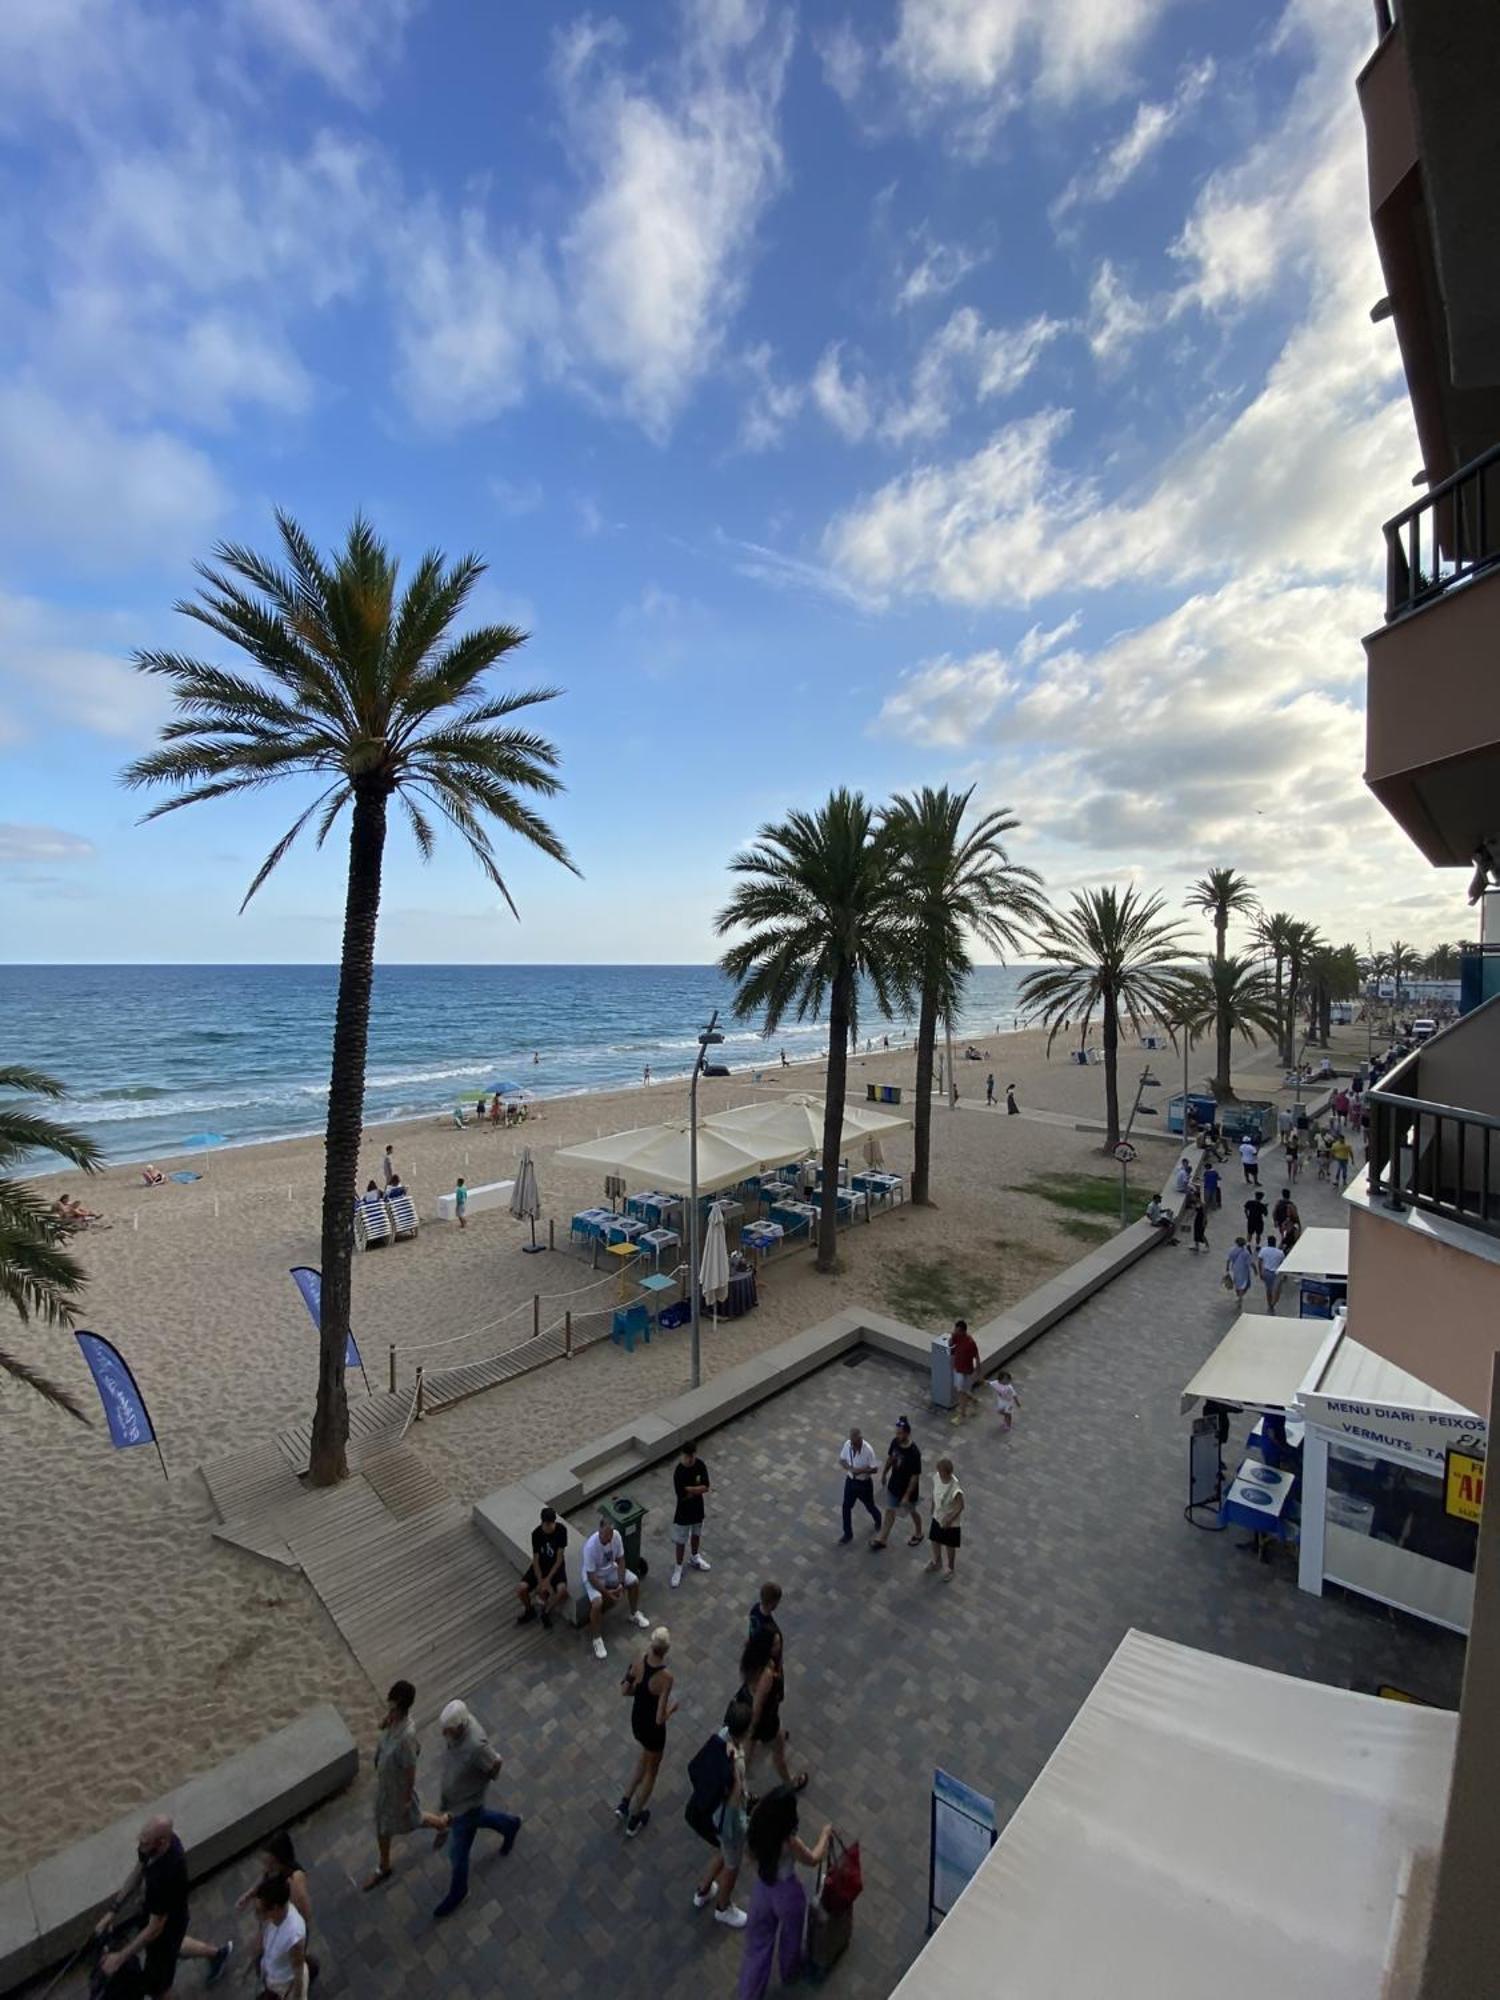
(461, 1202)
(1007, 1401)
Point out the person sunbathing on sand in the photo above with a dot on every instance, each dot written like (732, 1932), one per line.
(153, 1176)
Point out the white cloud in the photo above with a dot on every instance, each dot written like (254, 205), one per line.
(845, 60)
(1147, 132)
(773, 404)
(344, 42)
(1116, 318)
(677, 177)
(843, 399)
(30, 846)
(517, 496)
(963, 358)
(63, 668)
(999, 51)
(74, 481)
(937, 269)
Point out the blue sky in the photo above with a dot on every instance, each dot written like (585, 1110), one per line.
(936, 390)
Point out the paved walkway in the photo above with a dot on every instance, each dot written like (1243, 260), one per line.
(1075, 1532)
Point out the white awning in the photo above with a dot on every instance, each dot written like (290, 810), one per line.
(1203, 1825)
(1359, 1395)
(1262, 1361)
(797, 1121)
(659, 1156)
(1318, 1253)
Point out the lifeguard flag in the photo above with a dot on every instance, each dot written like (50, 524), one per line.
(124, 1406)
(310, 1284)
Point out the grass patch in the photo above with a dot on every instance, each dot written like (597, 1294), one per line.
(925, 1291)
(1092, 1200)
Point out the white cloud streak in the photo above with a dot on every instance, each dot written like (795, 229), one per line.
(1153, 124)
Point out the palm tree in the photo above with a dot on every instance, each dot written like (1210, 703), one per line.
(1442, 962)
(38, 1277)
(1401, 958)
(1275, 933)
(955, 884)
(1303, 947)
(1232, 990)
(369, 693)
(1113, 952)
(1221, 894)
(820, 908)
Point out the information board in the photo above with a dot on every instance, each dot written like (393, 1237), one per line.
(963, 1832)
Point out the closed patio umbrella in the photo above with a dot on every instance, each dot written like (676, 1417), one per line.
(526, 1200)
(874, 1155)
(713, 1272)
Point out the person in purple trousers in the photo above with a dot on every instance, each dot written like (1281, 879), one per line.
(779, 1902)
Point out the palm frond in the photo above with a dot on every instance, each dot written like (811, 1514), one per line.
(42, 1385)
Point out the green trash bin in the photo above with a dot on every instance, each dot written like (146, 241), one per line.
(627, 1515)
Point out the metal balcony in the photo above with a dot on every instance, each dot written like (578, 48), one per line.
(1442, 1158)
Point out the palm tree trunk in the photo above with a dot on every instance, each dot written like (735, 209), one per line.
(346, 1103)
(1223, 1055)
(1280, 1016)
(839, 1009)
(1111, 1073)
(921, 1111)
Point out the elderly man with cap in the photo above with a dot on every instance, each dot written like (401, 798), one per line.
(161, 1876)
(471, 1765)
(902, 1480)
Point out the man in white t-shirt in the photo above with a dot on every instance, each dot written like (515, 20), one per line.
(1250, 1161)
(860, 1466)
(283, 1940)
(1271, 1257)
(606, 1580)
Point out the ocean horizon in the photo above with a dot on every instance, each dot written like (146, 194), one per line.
(176, 1058)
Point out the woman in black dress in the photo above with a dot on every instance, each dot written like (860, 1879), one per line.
(763, 1686)
(648, 1687)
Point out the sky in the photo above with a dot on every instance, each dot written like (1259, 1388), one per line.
(925, 391)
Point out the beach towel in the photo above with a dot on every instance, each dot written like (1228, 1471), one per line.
(185, 1177)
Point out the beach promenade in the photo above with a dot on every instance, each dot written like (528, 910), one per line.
(175, 1649)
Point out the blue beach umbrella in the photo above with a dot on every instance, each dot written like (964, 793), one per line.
(507, 1089)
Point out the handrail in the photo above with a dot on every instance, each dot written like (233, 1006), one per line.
(1433, 1156)
(1460, 539)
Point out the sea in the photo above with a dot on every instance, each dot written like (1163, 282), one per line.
(176, 1058)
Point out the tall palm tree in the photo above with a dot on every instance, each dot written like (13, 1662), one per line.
(1303, 947)
(1113, 952)
(1401, 958)
(39, 1279)
(367, 691)
(1442, 962)
(1232, 990)
(956, 884)
(1275, 933)
(1221, 894)
(820, 908)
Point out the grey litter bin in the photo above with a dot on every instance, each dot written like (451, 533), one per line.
(627, 1515)
(944, 1395)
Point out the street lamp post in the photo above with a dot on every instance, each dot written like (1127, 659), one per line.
(709, 1038)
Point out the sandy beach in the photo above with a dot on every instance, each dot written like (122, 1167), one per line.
(131, 1631)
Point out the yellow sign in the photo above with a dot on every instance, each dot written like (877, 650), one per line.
(1463, 1485)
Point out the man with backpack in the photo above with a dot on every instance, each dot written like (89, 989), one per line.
(718, 1812)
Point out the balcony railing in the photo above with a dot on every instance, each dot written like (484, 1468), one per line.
(1433, 1156)
(1449, 535)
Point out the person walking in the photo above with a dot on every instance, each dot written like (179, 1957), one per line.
(1007, 1398)
(859, 1465)
(778, 1906)
(1293, 1150)
(1012, 1108)
(1250, 1160)
(648, 1686)
(1239, 1269)
(902, 1480)
(606, 1579)
(763, 1610)
(989, 1088)
(763, 1685)
(398, 1810)
(1200, 1223)
(389, 1171)
(279, 1857)
(1255, 1219)
(160, 1877)
(946, 1533)
(963, 1350)
(471, 1765)
(546, 1576)
(717, 1885)
(1285, 1216)
(690, 1482)
(1213, 1187)
(1343, 1159)
(1270, 1261)
(282, 1964)
(461, 1202)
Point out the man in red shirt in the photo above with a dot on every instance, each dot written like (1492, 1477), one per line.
(965, 1355)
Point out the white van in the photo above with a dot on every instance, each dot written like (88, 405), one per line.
(1422, 1031)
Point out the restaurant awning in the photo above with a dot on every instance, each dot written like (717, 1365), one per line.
(657, 1157)
(1203, 1825)
(1359, 1395)
(1318, 1253)
(798, 1121)
(1262, 1361)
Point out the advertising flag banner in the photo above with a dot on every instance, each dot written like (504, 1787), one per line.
(309, 1283)
(124, 1406)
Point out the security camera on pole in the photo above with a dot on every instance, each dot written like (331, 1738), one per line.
(710, 1038)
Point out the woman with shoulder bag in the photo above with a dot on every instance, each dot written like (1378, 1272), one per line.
(778, 1907)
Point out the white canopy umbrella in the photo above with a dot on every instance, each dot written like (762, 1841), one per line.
(874, 1154)
(713, 1272)
(526, 1198)
(659, 1156)
(798, 1121)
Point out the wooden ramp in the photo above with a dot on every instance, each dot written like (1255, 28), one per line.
(375, 1423)
(443, 1386)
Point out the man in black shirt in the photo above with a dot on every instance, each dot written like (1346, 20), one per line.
(547, 1576)
(902, 1480)
(1255, 1219)
(162, 1876)
(690, 1484)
